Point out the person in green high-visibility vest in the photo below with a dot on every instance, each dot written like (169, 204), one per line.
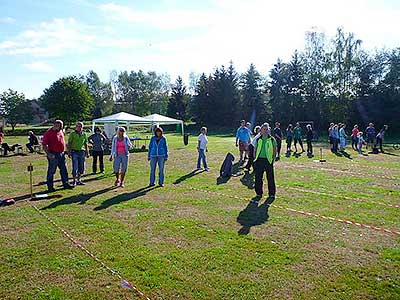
(264, 156)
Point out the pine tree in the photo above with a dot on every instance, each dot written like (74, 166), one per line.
(254, 106)
(178, 101)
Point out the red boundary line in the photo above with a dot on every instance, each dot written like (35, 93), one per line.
(124, 282)
(394, 232)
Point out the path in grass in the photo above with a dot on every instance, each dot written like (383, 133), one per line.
(175, 242)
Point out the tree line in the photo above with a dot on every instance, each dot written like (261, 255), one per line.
(330, 80)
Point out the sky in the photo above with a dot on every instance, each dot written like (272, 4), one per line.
(41, 41)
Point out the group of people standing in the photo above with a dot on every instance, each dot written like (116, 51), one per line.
(77, 148)
(337, 137)
(261, 150)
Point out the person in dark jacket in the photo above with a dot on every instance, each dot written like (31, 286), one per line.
(278, 138)
(98, 141)
(158, 154)
(33, 141)
(309, 138)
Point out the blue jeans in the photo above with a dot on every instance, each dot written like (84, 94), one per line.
(57, 161)
(78, 162)
(160, 160)
(202, 157)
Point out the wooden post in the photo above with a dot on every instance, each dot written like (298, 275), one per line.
(30, 169)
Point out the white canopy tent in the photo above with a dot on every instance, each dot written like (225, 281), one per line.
(120, 118)
(157, 120)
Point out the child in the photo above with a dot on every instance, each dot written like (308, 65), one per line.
(202, 148)
(360, 142)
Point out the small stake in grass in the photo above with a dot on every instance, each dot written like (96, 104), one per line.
(30, 170)
(321, 159)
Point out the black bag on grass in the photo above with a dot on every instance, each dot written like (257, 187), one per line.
(227, 166)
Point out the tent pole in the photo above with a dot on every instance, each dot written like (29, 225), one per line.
(183, 131)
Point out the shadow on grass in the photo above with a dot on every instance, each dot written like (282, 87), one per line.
(389, 153)
(297, 154)
(235, 172)
(81, 198)
(248, 180)
(98, 177)
(253, 215)
(125, 197)
(187, 176)
(26, 196)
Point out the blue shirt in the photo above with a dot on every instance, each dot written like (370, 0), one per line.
(335, 133)
(243, 134)
(159, 148)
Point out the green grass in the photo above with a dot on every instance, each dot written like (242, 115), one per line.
(178, 243)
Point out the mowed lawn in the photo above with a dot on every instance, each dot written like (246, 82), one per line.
(177, 242)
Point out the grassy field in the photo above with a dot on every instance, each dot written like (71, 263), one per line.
(177, 242)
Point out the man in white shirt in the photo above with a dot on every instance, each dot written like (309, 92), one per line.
(202, 148)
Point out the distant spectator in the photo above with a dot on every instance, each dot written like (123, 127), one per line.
(370, 134)
(298, 136)
(335, 138)
(342, 137)
(33, 141)
(278, 138)
(354, 137)
(243, 137)
(360, 142)
(309, 138)
(380, 137)
(98, 141)
(250, 162)
(202, 142)
(289, 138)
(330, 135)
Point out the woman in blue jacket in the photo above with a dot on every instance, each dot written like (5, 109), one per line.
(158, 154)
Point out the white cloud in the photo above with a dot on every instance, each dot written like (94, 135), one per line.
(40, 66)
(61, 37)
(7, 20)
(166, 19)
(50, 39)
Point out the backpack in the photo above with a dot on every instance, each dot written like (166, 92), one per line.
(227, 167)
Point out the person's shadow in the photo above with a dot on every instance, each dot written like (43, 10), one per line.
(345, 154)
(80, 198)
(253, 215)
(125, 197)
(188, 175)
(235, 172)
(248, 180)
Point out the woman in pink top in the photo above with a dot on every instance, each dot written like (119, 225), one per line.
(354, 137)
(120, 154)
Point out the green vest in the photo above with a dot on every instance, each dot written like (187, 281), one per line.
(77, 141)
(269, 145)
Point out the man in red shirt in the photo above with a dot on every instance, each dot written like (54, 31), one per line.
(54, 144)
